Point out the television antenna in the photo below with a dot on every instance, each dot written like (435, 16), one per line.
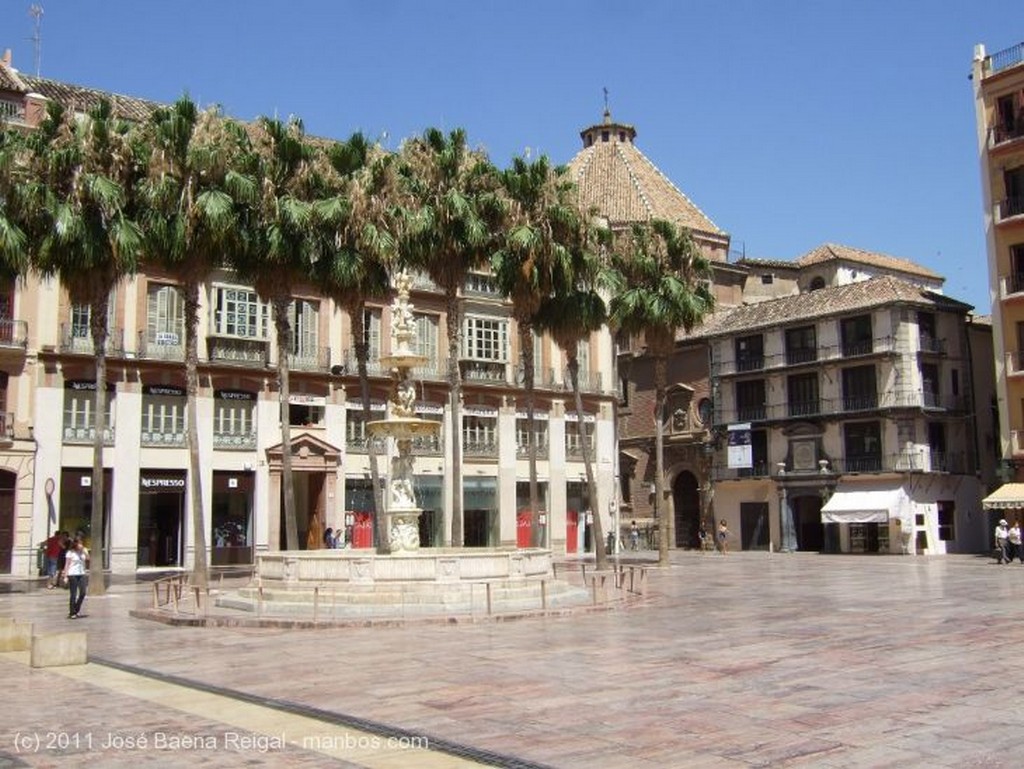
(36, 12)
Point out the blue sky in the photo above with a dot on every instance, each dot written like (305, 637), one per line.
(789, 123)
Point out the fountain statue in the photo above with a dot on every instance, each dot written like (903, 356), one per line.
(402, 424)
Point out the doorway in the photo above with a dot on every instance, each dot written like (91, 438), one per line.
(810, 532)
(754, 534)
(476, 528)
(686, 500)
(7, 481)
(309, 510)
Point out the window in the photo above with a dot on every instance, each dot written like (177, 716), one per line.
(485, 339)
(239, 312)
(937, 447)
(79, 416)
(863, 446)
(165, 316)
(574, 436)
(817, 283)
(477, 283)
(856, 335)
(947, 520)
(801, 345)
(803, 395)
(304, 318)
(750, 353)
(1013, 179)
(425, 339)
(305, 414)
(930, 384)
(759, 455)
(355, 431)
(1017, 268)
(623, 391)
(926, 329)
(704, 411)
(480, 435)
(163, 416)
(750, 400)
(540, 432)
(767, 279)
(234, 419)
(371, 335)
(859, 388)
(79, 336)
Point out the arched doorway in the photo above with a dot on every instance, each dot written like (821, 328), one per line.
(686, 500)
(810, 531)
(7, 483)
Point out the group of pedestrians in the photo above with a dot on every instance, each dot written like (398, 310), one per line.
(334, 539)
(67, 565)
(1008, 542)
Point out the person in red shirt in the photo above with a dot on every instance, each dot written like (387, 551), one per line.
(54, 545)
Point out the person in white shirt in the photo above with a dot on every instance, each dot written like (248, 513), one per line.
(1013, 538)
(1002, 535)
(76, 570)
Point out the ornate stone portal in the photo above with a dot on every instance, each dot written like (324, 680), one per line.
(402, 425)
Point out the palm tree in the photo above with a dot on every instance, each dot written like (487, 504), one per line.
(659, 291)
(454, 212)
(280, 253)
(89, 169)
(359, 219)
(191, 219)
(535, 256)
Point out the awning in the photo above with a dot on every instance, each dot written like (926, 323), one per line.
(1006, 497)
(863, 504)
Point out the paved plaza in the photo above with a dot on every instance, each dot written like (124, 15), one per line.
(745, 660)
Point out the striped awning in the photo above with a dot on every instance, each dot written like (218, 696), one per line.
(1007, 497)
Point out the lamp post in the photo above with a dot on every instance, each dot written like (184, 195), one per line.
(789, 542)
(613, 509)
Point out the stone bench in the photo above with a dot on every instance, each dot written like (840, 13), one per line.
(15, 636)
(56, 649)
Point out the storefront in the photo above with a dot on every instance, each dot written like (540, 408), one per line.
(76, 505)
(232, 524)
(430, 499)
(480, 511)
(359, 512)
(578, 518)
(161, 518)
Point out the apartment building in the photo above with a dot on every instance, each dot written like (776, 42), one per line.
(998, 85)
(844, 410)
(47, 385)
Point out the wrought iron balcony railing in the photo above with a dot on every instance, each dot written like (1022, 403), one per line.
(74, 341)
(157, 438)
(235, 441)
(479, 447)
(161, 346)
(1009, 208)
(86, 435)
(310, 359)
(242, 351)
(13, 333)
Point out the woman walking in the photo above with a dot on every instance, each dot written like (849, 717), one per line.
(76, 570)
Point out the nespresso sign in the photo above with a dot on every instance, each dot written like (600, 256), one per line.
(149, 483)
(171, 390)
(85, 384)
(234, 395)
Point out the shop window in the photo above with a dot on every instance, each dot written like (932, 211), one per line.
(80, 416)
(163, 416)
(234, 420)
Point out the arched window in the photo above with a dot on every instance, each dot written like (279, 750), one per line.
(817, 283)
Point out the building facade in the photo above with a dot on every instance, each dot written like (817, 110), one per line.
(998, 82)
(844, 412)
(47, 383)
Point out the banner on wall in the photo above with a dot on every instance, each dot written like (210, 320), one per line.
(741, 453)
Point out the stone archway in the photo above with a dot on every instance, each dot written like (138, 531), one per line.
(686, 501)
(810, 531)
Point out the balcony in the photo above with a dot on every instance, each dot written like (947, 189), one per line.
(801, 355)
(523, 449)
(947, 462)
(860, 402)
(930, 344)
(1011, 285)
(589, 381)
(749, 362)
(809, 408)
(759, 469)
(483, 371)
(235, 441)
(76, 341)
(12, 111)
(1017, 442)
(1006, 58)
(427, 445)
(13, 334)
(864, 463)
(75, 434)
(752, 413)
(574, 449)
(805, 356)
(246, 352)
(858, 347)
(157, 439)
(481, 448)
(1009, 209)
(1014, 364)
(373, 365)
(6, 428)
(360, 444)
(163, 346)
(310, 359)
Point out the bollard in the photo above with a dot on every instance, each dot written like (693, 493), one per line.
(156, 595)
(259, 601)
(488, 584)
(544, 594)
(316, 603)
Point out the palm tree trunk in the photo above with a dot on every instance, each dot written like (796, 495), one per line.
(526, 353)
(454, 320)
(660, 383)
(600, 557)
(283, 327)
(362, 348)
(98, 329)
(199, 557)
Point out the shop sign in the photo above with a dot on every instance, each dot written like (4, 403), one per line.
(161, 483)
(234, 395)
(741, 452)
(171, 390)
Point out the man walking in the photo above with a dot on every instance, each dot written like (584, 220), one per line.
(76, 569)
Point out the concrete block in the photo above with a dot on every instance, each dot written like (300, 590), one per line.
(15, 636)
(56, 649)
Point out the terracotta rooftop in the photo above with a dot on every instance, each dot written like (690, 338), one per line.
(614, 177)
(833, 252)
(882, 291)
(775, 264)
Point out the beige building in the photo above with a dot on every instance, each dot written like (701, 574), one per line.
(844, 409)
(48, 382)
(998, 81)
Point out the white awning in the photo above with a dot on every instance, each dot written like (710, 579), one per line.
(1009, 496)
(859, 503)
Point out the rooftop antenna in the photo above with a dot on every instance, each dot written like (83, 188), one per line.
(606, 110)
(36, 12)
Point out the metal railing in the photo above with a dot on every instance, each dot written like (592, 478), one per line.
(361, 444)
(859, 347)
(482, 447)
(73, 342)
(803, 356)
(235, 441)
(86, 435)
(799, 355)
(1006, 58)
(161, 347)
(162, 439)
(312, 359)
(373, 365)
(7, 427)
(1009, 208)
(484, 371)
(1004, 133)
(233, 350)
(931, 344)
(523, 450)
(13, 333)
(12, 111)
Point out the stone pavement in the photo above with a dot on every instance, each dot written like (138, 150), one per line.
(744, 660)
